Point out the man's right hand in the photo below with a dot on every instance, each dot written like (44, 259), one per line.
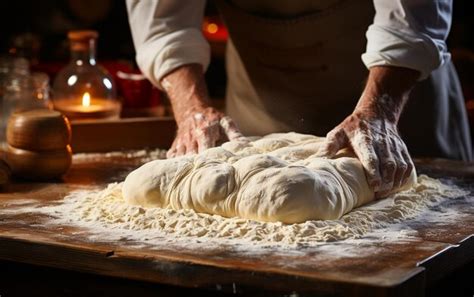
(200, 126)
(202, 129)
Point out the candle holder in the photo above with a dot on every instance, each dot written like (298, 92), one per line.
(83, 89)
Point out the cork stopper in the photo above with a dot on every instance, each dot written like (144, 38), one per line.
(80, 35)
(81, 40)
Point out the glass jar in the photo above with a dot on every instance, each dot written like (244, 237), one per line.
(83, 89)
(21, 91)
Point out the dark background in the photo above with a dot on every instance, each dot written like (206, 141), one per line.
(46, 24)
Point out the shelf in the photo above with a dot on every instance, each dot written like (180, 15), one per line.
(122, 134)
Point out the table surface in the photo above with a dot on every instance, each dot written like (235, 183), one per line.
(397, 267)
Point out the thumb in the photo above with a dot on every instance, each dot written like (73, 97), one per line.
(230, 128)
(335, 140)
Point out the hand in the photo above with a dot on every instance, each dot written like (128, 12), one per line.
(200, 126)
(376, 142)
(202, 129)
(371, 130)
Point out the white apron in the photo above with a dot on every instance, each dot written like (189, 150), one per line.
(304, 73)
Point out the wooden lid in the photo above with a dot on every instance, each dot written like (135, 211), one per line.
(39, 130)
(39, 165)
(80, 35)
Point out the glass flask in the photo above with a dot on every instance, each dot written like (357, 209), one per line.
(83, 89)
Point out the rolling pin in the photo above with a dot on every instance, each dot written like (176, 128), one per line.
(38, 144)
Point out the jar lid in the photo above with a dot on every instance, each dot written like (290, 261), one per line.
(38, 130)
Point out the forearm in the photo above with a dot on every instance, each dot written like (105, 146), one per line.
(187, 91)
(371, 129)
(387, 90)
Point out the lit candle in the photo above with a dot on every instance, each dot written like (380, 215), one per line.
(86, 99)
(88, 107)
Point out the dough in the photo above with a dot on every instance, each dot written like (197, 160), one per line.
(272, 178)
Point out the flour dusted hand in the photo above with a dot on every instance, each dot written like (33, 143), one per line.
(201, 130)
(371, 129)
(378, 146)
(200, 125)
(274, 178)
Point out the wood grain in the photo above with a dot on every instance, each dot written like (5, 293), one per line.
(391, 268)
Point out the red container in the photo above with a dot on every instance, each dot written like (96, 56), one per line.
(137, 91)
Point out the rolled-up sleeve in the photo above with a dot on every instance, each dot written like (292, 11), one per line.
(410, 34)
(167, 34)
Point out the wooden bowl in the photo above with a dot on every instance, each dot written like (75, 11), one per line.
(39, 130)
(5, 173)
(43, 165)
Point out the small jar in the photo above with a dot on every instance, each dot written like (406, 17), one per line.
(83, 89)
(25, 91)
(22, 91)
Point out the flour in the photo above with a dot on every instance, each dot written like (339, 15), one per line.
(102, 215)
(141, 156)
(106, 212)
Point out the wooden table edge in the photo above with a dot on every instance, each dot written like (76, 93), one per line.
(169, 270)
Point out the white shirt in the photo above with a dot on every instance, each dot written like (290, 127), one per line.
(405, 33)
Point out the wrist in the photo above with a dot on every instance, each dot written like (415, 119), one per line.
(396, 82)
(380, 106)
(187, 91)
(386, 92)
(191, 110)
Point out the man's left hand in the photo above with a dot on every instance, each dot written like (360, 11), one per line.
(375, 140)
(371, 130)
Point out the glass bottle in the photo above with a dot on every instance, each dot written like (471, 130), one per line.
(83, 89)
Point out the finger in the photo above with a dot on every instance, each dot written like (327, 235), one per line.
(205, 140)
(401, 165)
(410, 165)
(230, 128)
(363, 148)
(335, 140)
(171, 153)
(387, 164)
(185, 143)
(180, 149)
(192, 148)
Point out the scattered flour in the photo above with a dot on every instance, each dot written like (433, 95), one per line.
(106, 212)
(141, 156)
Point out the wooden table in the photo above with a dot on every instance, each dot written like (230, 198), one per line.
(392, 268)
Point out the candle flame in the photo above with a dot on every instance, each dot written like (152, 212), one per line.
(86, 99)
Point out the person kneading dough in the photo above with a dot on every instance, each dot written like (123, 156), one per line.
(295, 66)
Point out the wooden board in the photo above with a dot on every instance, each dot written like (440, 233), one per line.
(391, 268)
